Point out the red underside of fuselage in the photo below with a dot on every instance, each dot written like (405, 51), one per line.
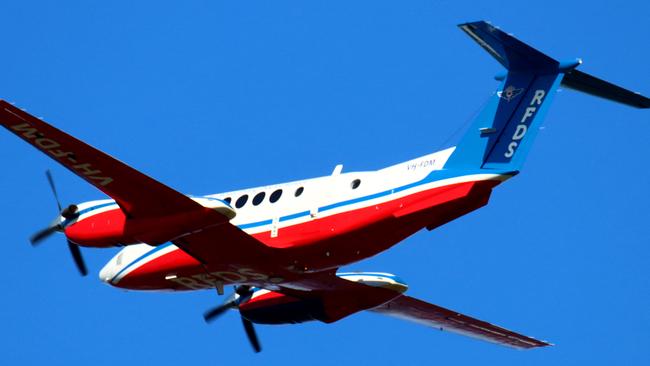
(326, 242)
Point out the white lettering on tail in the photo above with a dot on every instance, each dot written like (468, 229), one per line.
(522, 128)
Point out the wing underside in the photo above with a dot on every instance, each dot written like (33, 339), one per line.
(409, 308)
(137, 194)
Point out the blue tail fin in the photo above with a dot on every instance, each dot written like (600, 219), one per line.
(502, 134)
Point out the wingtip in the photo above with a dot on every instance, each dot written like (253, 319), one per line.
(544, 343)
(477, 22)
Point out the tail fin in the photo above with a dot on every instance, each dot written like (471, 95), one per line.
(502, 134)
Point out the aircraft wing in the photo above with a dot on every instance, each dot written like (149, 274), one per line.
(409, 308)
(136, 193)
(139, 195)
(340, 297)
(228, 245)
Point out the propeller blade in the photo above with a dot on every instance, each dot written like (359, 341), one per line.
(56, 196)
(250, 333)
(242, 294)
(78, 259)
(69, 213)
(214, 313)
(41, 235)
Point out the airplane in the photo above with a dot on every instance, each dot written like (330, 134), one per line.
(281, 246)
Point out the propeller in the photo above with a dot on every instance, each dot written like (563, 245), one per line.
(69, 213)
(242, 294)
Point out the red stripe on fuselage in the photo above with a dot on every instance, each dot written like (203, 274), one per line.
(330, 241)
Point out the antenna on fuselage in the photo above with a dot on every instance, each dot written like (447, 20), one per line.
(337, 169)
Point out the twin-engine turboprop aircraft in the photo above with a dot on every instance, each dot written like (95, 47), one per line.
(281, 245)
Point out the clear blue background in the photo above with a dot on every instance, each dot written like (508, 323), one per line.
(210, 96)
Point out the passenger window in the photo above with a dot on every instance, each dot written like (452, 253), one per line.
(275, 196)
(227, 200)
(355, 184)
(299, 191)
(241, 201)
(258, 198)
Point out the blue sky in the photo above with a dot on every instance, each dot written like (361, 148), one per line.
(212, 96)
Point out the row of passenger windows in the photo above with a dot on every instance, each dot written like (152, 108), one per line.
(275, 196)
(259, 198)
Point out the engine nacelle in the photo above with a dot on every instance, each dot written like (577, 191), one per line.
(269, 307)
(104, 224)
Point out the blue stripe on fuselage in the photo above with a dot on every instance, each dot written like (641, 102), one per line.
(152, 251)
(435, 175)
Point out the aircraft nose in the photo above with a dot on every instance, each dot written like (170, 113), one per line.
(107, 273)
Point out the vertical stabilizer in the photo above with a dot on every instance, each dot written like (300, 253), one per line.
(499, 138)
(502, 134)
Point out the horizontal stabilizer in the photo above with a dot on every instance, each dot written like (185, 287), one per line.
(409, 308)
(512, 53)
(580, 81)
